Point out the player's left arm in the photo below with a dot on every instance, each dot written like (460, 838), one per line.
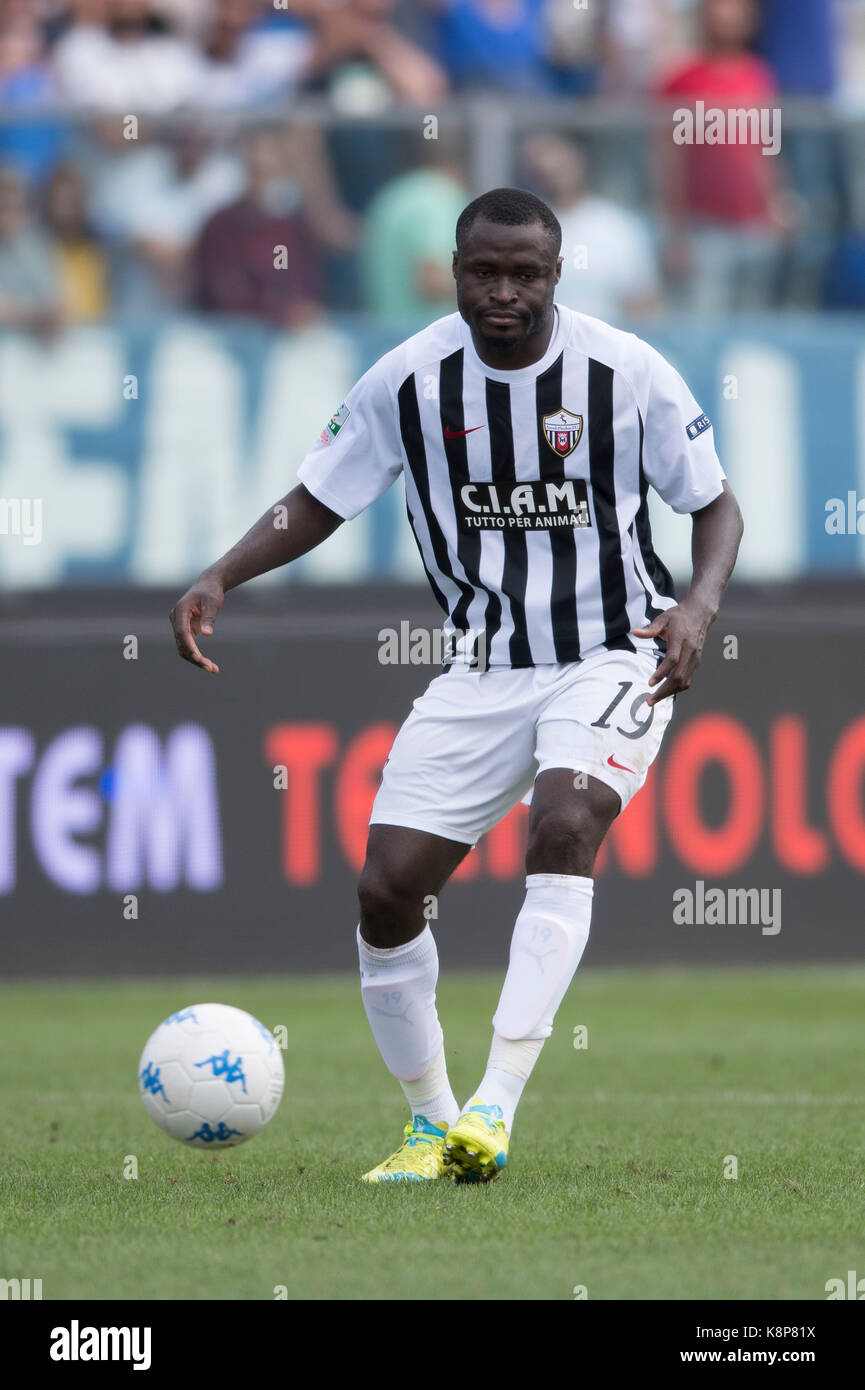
(717, 531)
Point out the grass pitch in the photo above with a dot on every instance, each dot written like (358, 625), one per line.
(617, 1177)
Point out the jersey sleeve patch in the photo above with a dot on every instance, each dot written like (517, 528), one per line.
(335, 424)
(698, 426)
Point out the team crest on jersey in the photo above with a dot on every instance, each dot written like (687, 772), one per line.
(563, 430)
(335, 424)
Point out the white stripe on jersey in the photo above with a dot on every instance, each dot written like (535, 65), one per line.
(527, 489)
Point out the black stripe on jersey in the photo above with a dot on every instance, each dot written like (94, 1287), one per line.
(602, 454)
(439, 596)
(412, 441)
(563, 597)
(655, 567)
(651, 611)
(456, 453)
(516, 567)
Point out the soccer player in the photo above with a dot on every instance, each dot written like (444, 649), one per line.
(528, 435)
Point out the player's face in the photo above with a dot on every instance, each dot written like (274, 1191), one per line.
(506, 278)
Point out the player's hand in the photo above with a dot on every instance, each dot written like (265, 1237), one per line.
(684, 629)
(193, 616)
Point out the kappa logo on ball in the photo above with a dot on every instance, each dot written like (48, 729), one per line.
(563, 430)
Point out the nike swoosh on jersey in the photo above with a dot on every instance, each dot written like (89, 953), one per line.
(611, 760)
(458, 434)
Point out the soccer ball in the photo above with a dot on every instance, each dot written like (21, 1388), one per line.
(211, 1076)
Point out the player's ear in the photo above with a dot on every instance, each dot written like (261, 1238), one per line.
(454, 264)
(559, 263)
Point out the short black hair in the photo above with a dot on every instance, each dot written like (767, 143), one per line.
(509, 207)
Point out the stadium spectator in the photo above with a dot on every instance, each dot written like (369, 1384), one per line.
(843, 287)
(799, 40)
(194, 179)
(124, 176)
(30, 294)
(360, 34)
(82, 263)
(25, 73)
(409, 240)
(364, 61)
(639, 36)
(186, 17)
(247, 61)
(126, 179)
(259, 257)
(26, 85)
(499, 44)
(575, 45)
(722, 200)
(160, 213)
(131, 62)
(609, 267)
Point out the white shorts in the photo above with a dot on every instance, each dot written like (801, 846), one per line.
(475, 741)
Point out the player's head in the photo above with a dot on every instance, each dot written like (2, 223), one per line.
(506, 265)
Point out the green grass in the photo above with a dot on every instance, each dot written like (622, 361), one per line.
(616, 1178)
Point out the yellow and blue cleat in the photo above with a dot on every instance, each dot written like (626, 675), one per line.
(419, 1158)
(476, 1147)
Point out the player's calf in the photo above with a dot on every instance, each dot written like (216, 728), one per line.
(546, 947)
(399, 970)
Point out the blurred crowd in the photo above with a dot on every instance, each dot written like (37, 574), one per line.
(158, 156)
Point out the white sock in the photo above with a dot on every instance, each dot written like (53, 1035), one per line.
(549, 938)
(398, 985)
(508, 1069)
(547, 945)
(431, 1095)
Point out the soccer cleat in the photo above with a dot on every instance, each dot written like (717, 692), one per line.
(476, 1147)
(418, 1158)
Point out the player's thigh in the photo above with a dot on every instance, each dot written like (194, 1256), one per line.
(463, 758)
(597, 725)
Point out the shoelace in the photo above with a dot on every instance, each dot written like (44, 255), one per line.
(486, 1113)
(412, 1137)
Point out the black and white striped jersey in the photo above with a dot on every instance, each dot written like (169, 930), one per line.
(527, 490)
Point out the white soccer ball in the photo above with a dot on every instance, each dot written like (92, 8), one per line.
(211, 1076)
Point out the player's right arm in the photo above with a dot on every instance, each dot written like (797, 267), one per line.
(294, 526)
(354, 460)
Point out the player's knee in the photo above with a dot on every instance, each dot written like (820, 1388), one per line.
(564, 841)
(377, 893)
(389, 906)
